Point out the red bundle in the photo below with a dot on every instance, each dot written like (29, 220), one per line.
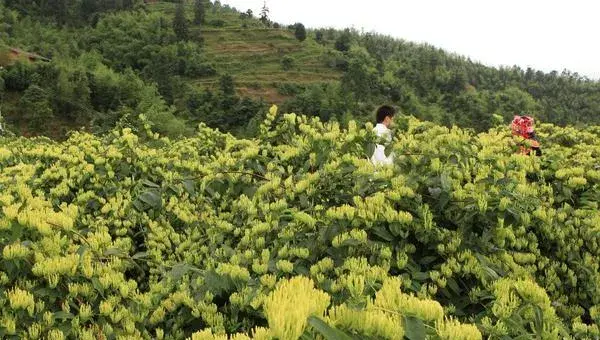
(522, 126)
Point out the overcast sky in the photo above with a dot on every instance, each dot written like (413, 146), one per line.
(545, 35)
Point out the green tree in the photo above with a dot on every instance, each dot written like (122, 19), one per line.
(180, 24)
(300, 31)
(226, 85)
(199, 12)
(343, 42)
(35, 108)
(88, 8)
(513, 100)
(264, 14)
(361, 76)
(319, 36)
(60, 10)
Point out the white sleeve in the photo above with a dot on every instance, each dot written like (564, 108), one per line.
(379, 156)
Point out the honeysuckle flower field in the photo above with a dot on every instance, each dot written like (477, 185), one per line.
(296, 234)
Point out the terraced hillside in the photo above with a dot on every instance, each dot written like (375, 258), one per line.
(255, 54)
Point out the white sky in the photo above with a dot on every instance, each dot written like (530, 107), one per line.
(545, 35)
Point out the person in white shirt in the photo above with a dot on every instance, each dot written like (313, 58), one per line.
(384, 116)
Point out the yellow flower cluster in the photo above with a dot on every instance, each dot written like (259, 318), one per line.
(453, 330)
(390, 298)
(15, 251)
(20, 299)
(370, 323)
(290, 304)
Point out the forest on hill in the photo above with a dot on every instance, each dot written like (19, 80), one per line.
(181, 63)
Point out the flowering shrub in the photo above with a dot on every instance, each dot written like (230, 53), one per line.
(295, 233)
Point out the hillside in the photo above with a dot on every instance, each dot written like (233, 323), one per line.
(113, 61)
(295, 233)
(253, 54)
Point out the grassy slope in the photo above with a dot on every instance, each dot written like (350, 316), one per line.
(253, 55)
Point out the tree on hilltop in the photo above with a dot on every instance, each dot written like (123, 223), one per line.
(199, 12)
(264, 14)
(300, 31)
(180, 25)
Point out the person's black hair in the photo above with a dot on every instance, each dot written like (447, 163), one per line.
(384, 111)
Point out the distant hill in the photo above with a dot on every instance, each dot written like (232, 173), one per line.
(114, 61)
(243, 47)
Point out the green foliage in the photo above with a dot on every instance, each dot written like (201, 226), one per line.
(180, 24)
(361, 76)
(344, 41)
(199, 12)
(514, 101)
(287, 62)
(319, 36)
(217, 23)
(264, 15)
(35, 108)
(2, 85)
(299, 31)
(19, 77)
(227, 85)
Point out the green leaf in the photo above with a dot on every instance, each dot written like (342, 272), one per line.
(420, 276)
(113, 252)
(63, 315)
(446, 182)
(181, 269)
(351, 243)
(383, 233)
(16, 231)
(189, 186)
(97, 285)
(328, 332)
(370, 149)
(426, 260)
(82, 250)
(305, 336)
(150, 184)
(304, 203)
(151, 198)
(218, 284)
(397, 229)
(443, 200)
(453, 286)
(138, 205)
(414, 328)
(140, 255)
(539, 320)
(175, 189)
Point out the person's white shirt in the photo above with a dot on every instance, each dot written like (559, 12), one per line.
(379, 156)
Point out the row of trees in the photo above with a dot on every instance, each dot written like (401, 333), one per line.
(70, 12)
(432, 84)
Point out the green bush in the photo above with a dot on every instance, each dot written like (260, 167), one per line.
(287, 62)
(217, 23)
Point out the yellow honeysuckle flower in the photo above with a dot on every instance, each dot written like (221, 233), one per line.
(20, 299)
(289, 305)
(453, 330)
